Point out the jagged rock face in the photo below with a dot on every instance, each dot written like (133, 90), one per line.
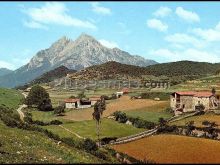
(85, 51)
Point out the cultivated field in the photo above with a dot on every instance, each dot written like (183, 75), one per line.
(173, 149)
(198, 120)
(122, 104)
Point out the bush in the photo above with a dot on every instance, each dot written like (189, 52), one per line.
(56, 122)
(100, 154)
(120, 116)
(59, 110)
(89, 145)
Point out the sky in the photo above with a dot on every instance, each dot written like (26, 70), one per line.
(161, 31)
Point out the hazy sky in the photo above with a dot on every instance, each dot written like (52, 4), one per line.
(162, 31)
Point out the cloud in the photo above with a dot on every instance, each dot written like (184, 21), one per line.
(34, 25)
(188, 54)
(162, 12)
(4, 64)
(212, 34)
(100, 9)
(157, 24)
(179, 38)
(53, 13)
(187, 15)
(108, 44)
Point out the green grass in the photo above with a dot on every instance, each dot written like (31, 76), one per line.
(10, 97)
(150, 116)
(109, 128)
(21, 146)
(87, 129)
(152, 113)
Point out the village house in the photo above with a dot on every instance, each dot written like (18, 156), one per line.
(94, 100)
(188, 100)
(80, 103)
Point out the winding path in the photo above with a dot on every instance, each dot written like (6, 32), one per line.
(72, 132)
(19, 110)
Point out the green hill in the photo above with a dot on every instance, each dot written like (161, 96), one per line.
(10, 98)
(21, 146)
(48, 76)
(24, 146)
(183, 68)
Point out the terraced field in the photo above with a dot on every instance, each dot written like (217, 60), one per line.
(172, 149)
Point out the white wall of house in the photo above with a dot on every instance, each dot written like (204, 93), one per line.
(70, 105)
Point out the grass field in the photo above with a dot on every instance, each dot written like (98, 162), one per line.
(173, 149)
(87, 129)
(20, 146)
(152, 113)
(198, 120)
(10, 98)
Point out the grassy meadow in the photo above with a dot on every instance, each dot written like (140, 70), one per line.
(10, 97)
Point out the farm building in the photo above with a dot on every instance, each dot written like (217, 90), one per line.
(119, 94)
(94, 99)
(79, 103)
(188, 100)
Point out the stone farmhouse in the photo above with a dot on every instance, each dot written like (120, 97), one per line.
(188, 100)
(79, 103)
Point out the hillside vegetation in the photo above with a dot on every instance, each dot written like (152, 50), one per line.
(174, 71)
(182, 68)
(47, 77)
(10, 98)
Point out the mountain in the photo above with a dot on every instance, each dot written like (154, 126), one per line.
(85, 51)
(49, 76)
(109, 70)
(175, 72)
(4, 71)
(181, 68)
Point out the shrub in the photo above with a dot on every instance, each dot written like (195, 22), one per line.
(72, 97)
(89, 145)
(56, 122)
(120, 116)
(99, 154)
(59, 110)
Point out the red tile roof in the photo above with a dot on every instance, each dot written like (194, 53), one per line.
(196, 94)
(71, 100)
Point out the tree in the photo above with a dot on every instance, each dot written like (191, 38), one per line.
(162, 122)
(59, 110)
(213, 91)
(45, 105)
(36, 96)
(99, 107)
(189, 127)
